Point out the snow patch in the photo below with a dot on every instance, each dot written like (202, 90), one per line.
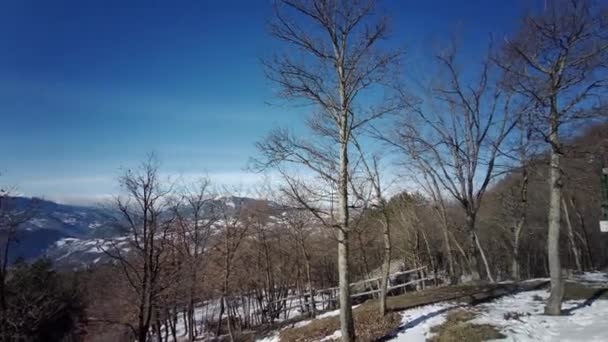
(416, 323)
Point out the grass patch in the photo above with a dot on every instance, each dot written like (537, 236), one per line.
(457, 328)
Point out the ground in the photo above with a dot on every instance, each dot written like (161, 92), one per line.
(510, 312)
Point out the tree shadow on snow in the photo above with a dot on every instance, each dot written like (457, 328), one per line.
(596, 295)
(418, 321)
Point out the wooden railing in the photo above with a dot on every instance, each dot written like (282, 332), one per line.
(301, 301)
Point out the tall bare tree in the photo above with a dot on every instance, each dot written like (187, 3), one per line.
(194, 221)
(140, 256)
(558, 60)
(454, 133)
(234, 224)
(428, 183)
(334, 58)
(378, 203)
(515, 201)
(300, 224)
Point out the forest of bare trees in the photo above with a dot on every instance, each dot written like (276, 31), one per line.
(479, 173)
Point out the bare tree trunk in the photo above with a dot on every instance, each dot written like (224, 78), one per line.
(483, 258)
(473, 250)
(519, 226)
(462, 252)
(219, 319)
(363, 252)
(428, 249)
(573, 247)
(585, 237)
(313, 305)
(448, 251)
(189, 319)
(517, 230)
(386, 265)
(229, 320)
(554, 303)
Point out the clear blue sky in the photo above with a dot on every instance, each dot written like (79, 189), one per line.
(87, 87)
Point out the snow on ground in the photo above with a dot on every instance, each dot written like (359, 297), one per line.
(581, 323)
(592, 279)
(321, 316)
(416, 323)
(335, 335)
(275, 337)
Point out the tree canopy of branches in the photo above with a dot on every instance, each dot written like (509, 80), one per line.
(558, 60)
(452, 138)
(334, 59)
(144, 209)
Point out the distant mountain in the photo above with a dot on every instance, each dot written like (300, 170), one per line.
(71, 235)
(52, 222)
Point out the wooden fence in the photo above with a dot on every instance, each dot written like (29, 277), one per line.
(327, 298)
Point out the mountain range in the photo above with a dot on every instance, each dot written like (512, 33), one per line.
(71, 235)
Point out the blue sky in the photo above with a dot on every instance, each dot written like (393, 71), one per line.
(88, 87)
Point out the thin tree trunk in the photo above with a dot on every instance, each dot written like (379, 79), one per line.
(229, 320)
(363, 253)
(428, 249)
(585, 237)
(484, 259)
(190, 314)
(313, 305)
(554, 303)
(385, 265)
(219, 320)
(519, 226)
(573, 247)
(448, 250)
(462, 252)
(517, 230)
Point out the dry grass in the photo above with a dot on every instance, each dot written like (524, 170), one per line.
(457, 328)
(369, 326)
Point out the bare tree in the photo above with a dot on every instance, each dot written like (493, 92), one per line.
(454, 133)
(234, 225)
(515, 202)
(140, 256)
(379, 205)
(428, 183)
(300, 224)
(195, 220)
(334, 59)
(558, 61)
